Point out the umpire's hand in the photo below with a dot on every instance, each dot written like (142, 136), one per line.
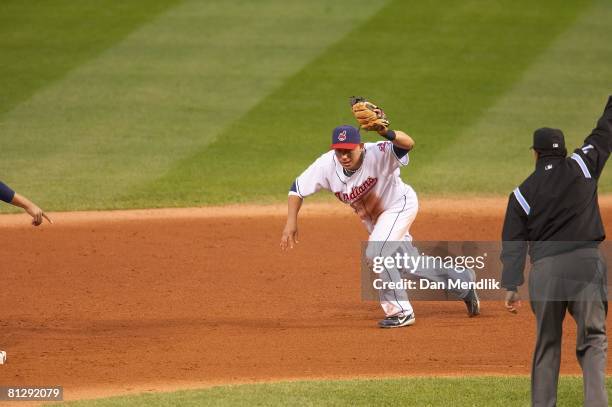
(512, 302)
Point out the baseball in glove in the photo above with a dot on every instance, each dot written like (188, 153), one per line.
(369, 116)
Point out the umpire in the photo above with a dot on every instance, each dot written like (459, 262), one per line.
(555, 216)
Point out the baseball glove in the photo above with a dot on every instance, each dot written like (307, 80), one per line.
(369, 116)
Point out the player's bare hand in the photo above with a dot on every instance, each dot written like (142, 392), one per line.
(37, 214)
(289, 238)
(512, 301)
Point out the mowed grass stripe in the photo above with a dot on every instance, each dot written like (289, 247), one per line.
(42, 40)
(168, 89)
(566, 88)
(435, 68)
(423, 392)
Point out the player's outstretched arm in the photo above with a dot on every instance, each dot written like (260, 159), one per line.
(31, 208)
(290, 233)
(398, 138)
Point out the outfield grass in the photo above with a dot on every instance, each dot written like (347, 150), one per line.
(183, 103)
(421, 392)
(42, 40)
(118, 118)
(439, 69)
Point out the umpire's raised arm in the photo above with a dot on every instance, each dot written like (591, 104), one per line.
(598, 145)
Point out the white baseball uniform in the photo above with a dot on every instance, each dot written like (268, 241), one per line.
(386, 205)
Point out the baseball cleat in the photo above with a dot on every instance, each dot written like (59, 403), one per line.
(472, 303)
(397, 321)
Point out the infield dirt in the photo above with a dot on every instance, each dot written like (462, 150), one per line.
(117, 302)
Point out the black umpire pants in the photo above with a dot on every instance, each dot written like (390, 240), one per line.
(575, 281)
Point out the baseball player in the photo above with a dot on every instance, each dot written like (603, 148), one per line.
(9, 196)
(366, 176)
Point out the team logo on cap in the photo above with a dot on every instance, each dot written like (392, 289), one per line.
(342, 135)
(555, 145)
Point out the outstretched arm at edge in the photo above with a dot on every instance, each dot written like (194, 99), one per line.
(31, 208)
(13, 198)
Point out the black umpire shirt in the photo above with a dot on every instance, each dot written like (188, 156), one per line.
(555, 209)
